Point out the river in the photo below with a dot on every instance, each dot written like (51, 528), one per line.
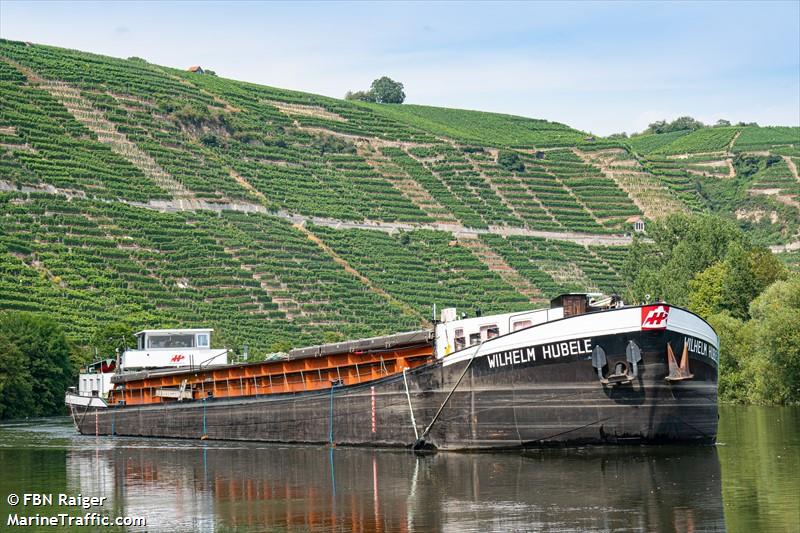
(749, 482)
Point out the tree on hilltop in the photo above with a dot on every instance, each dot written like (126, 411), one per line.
(679, 124)
(364, 96)
(388, 91)
(384, 90)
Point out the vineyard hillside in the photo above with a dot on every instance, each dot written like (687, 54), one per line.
(155, 197)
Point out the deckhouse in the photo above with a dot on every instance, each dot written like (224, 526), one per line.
(162, 348)
(155, 348)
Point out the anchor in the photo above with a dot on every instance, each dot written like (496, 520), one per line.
(678, 373)
(624, 371)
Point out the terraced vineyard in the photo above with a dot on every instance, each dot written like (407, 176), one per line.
(488, 129)
(749, 171)
(157, 197)
(700, 141)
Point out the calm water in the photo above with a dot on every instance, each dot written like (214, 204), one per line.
(749, 482)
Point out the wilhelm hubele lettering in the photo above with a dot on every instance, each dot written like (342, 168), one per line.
(541, 353)
(702, 348)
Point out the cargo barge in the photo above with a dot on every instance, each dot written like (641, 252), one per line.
(584, 371)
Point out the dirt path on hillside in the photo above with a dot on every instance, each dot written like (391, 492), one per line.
(497, 264)
(168, 206)
(733, 141)
(792, 166)
(362, 278)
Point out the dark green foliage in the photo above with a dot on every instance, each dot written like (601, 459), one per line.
(361, 96)
(748, 165)
(46, 354)
(682, 247)
(16, 398)
(760, 357)
(731, 284)
(707, 262)
(510, 161)
(211, 140)
(387, 91)
(328, 144)
(112, 336)
(739, 285)
(776, 314)
(384, 90)
(679, 124)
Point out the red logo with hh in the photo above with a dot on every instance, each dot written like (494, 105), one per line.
(177, 358)
(654, 316)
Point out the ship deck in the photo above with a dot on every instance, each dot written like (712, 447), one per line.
(311, 368)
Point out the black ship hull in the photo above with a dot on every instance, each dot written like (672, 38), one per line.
(549, 394)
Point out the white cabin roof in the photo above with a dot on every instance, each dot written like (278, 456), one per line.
(174, 331)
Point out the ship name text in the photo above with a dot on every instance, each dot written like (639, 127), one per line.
(542, 353)
(702, 348)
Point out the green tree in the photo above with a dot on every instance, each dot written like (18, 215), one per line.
(705, 290)
(682, 246)
(110, 337)
(739, 285)
(766, 267)
(760, 357)
(388, 91)
(510, 161)
(16, 399)
(731, 285)
(776, 315)
(364, 96)
(679, 124)
(47, 357)
(736, 355)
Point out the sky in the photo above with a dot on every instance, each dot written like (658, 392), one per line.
(602, 67)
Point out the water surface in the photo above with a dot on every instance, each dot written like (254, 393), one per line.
(750, 481)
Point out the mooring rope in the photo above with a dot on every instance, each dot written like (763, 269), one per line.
(420, 442)
(410, 409)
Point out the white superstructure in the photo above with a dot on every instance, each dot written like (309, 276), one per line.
(173, 348)
(453, 335)
(155, 348)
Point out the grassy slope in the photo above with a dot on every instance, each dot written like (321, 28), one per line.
(491, 129)
(645, 144)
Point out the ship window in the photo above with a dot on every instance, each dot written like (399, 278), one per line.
(460, 340)
(489, 331)
(474, 338)
(202, 340)
(522, 324)
(170, 341)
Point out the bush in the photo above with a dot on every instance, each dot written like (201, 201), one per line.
(46, 355)
(364, 96)
(510, 161)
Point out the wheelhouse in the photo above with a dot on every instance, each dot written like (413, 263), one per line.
(156, 339)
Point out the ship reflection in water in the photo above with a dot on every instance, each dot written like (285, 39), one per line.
(221, 486)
